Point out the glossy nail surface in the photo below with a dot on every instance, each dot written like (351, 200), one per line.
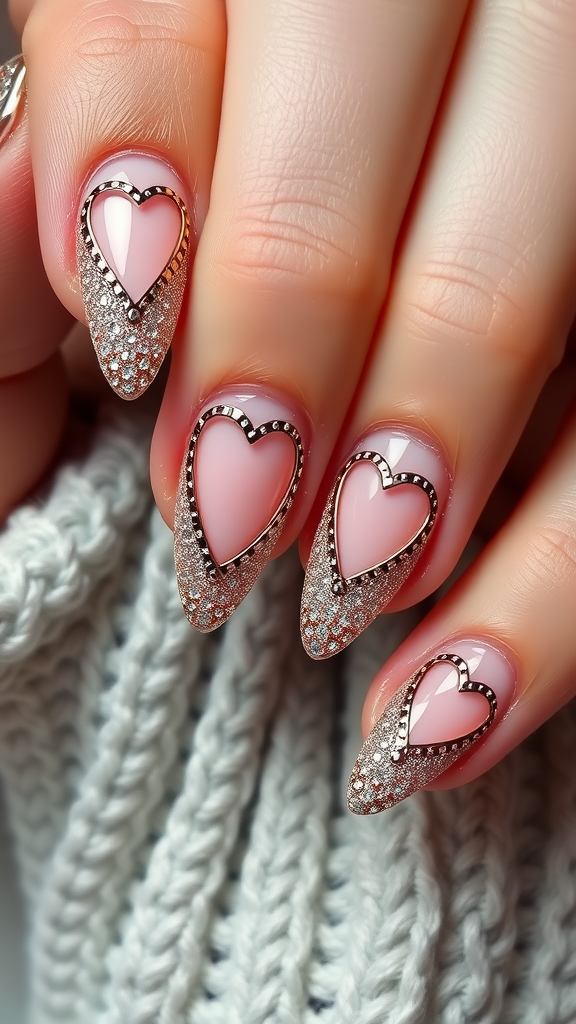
(240, 474)
(374, 528)
(441, 713)
(12, 80)
(133, 250)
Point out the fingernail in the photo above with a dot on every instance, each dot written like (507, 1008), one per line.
(445, 709)
(133, 251)
(239, 477)
(376, 523)
(12, 76)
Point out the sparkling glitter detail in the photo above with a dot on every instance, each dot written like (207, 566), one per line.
(12, 78)
(388, 767)
(117, 325)
(210, 592)
(331, 603)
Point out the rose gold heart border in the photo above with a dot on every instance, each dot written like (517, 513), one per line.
(335, 610)
(389, 768)
(130, 338)
(210, 592)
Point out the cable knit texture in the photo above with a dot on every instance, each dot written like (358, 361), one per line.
(176, 804)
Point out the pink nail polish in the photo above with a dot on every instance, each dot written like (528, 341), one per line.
(376, 523)
(133, 250)
(442, 712)
(239, 477)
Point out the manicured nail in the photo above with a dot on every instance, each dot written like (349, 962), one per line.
(133, 250)
(440, 714)
(241, 471)
(375, 525)
(12, 76)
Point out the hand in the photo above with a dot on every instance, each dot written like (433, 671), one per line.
(299, 165)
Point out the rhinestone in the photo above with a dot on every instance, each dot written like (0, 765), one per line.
(104, 300)
(115, 329)
(127, 373)
(315, 647)
(144, 364)
(114, 365)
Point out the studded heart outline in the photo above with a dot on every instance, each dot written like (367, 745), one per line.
(389, 768)
(388, 481)
(211, 591)
(139, 198)
(465, 685)
(336, 609)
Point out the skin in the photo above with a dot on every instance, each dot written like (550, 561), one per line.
(388, 234)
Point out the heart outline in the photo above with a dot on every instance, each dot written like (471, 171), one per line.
(212, 568)
(139, 197)
(388, 480)
(403, 747)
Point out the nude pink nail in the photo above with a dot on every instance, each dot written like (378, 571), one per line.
(240, 474)
(444, 710)
(133, 248)
(376, 523)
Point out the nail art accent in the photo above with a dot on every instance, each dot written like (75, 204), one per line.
(366, 545)
(436, 717)
(133, 248)
(238, 482)
(12, 79)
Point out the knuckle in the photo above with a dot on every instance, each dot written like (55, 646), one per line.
(99, 29)
(551, 556)
(299, 241)
(479, 301)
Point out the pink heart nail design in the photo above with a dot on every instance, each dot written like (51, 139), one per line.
(237, 484)
(443, 709)
(240, 486)
(375, 518)
(138, 235)
(371, 534)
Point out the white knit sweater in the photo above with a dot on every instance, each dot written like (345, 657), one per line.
(175, 802)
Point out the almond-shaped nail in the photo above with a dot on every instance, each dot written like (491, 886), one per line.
(12, 79)
(133, 252)
(444, 710)
(375, 525)
(242, 468)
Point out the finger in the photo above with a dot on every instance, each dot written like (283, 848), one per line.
(30, 331)
(124, 103)
(511, 621)
(33, 391)
(325, 114)
(479, 309)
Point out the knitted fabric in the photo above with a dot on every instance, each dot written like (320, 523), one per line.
(175, 802)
